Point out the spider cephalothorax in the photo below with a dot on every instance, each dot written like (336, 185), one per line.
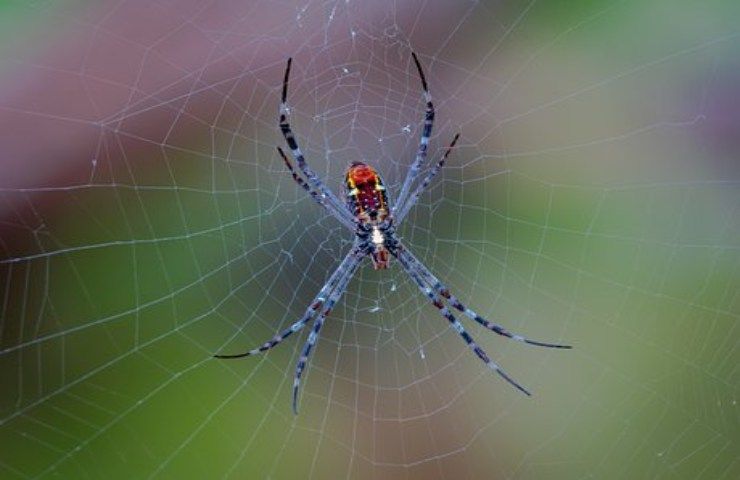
(368, 213)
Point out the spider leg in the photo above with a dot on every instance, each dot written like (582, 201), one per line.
(442, 290)
(455, 323)
(421, 153)
(318, 198)
(314, 335)
(427, 180)
(349, 262)
(334, 205)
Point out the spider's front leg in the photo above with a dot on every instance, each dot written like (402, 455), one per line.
(404, 210)
(421, 153)
(314, 194)
(329, 200)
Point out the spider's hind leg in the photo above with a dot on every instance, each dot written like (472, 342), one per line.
(442, 290)
(349, 263)
(455, 323)
(334, 297)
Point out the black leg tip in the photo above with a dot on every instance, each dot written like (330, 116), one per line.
(548, 345)
(421, 72)
(295, 402)
(285, 79)
(229, 357)
(523, 390)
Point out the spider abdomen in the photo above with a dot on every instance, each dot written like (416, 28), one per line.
(368, 202)
(366, 194)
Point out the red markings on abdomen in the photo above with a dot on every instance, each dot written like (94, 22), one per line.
(366, 192)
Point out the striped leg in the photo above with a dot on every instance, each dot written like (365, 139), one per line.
(427, 180)
(333, 204)
(426, 290)
(318, 198)
(314, 335)
(347, 265)
(441, 289)
(421, 153)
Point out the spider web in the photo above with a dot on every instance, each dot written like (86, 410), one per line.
(146, 222)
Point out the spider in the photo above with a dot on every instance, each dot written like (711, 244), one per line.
(373, 219)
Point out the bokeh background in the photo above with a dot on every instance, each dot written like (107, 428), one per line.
(147, 222)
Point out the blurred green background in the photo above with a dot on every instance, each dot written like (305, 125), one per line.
(146, 222)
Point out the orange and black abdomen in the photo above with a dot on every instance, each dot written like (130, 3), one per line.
(366, 193)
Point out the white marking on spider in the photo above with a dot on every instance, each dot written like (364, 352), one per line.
(377, 237)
